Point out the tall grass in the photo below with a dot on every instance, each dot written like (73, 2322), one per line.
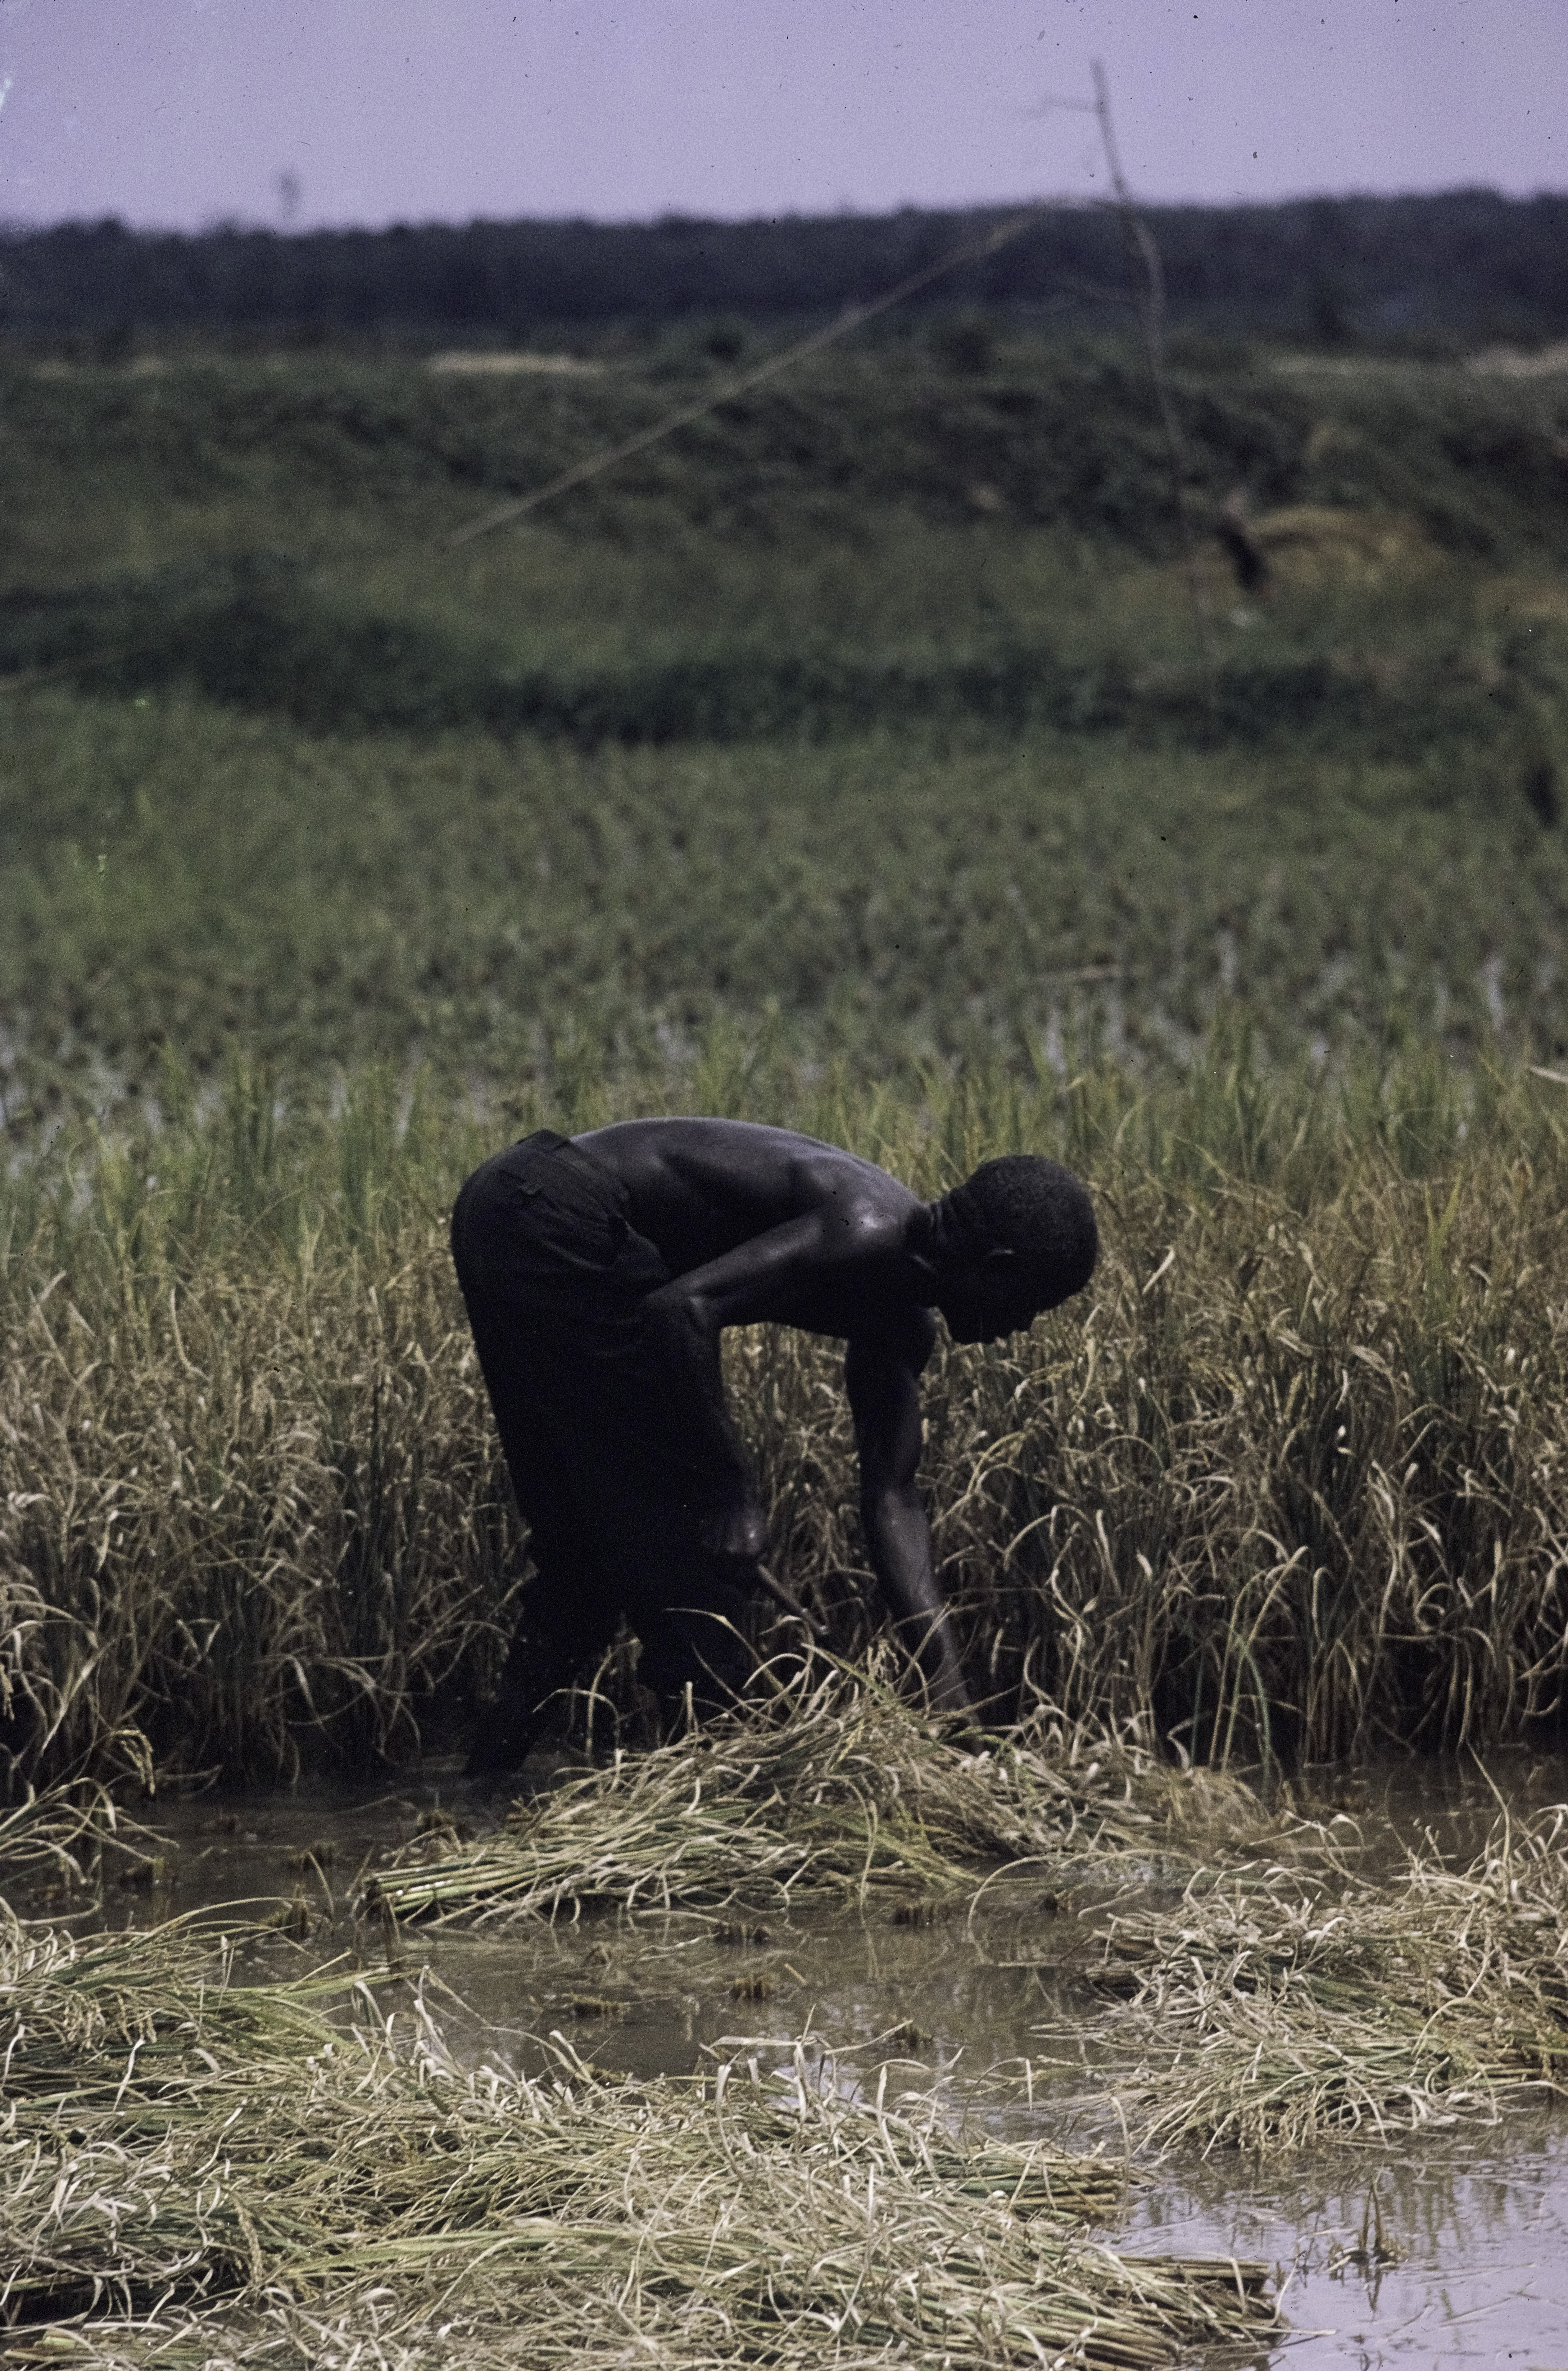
(1286, 1480)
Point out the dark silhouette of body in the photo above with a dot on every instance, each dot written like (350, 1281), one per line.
(599, 1273)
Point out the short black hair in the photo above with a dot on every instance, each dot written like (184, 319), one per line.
(1028, 1206)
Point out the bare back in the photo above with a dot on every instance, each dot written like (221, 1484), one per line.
(702, 1190)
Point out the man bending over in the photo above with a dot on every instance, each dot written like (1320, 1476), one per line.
(599, 1272)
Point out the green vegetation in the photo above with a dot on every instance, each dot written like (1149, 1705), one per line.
(871, 712)
(853, 759)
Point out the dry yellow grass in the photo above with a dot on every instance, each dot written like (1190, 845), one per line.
(1276, 2008)
(1288, 1476)
(191, 2166)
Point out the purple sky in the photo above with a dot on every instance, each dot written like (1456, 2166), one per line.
(183, 112)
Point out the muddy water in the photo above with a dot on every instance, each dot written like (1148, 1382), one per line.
(1464, 2262)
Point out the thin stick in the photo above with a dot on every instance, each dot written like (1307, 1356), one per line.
(852, 317)
(1151, 314)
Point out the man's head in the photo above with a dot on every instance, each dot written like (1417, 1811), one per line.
(1017, 1237)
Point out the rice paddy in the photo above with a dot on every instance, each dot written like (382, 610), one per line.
(867, 714)
(852, 765)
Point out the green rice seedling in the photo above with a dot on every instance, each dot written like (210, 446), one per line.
(188, 2160)
(832, 1790)
(887, 896)
(1276, 2008)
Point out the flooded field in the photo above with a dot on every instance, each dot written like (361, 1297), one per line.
(1447, 2245)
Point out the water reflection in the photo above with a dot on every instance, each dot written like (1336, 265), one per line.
(1473, 2268)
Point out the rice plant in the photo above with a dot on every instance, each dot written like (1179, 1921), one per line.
(1288, 1478)
(52, 1844)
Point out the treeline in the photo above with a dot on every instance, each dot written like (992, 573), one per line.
(1463, 266)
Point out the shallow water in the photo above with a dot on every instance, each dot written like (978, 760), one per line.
(1474, 2267)
(1480, 2227)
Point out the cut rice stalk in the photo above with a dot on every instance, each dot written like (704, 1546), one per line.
(188, 2162)
(1272, 2008)
(835, 1789)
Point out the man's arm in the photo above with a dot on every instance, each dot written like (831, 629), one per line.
(882, 1376)
(771, 1277)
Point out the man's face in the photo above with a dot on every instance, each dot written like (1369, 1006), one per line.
(986, 1298)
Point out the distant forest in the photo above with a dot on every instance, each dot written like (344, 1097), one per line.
(1422, 273)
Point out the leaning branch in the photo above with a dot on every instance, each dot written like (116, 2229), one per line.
(851, 319)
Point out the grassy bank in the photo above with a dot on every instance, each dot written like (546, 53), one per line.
(1287, 1480)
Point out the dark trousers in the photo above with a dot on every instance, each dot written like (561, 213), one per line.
(596, 1439)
